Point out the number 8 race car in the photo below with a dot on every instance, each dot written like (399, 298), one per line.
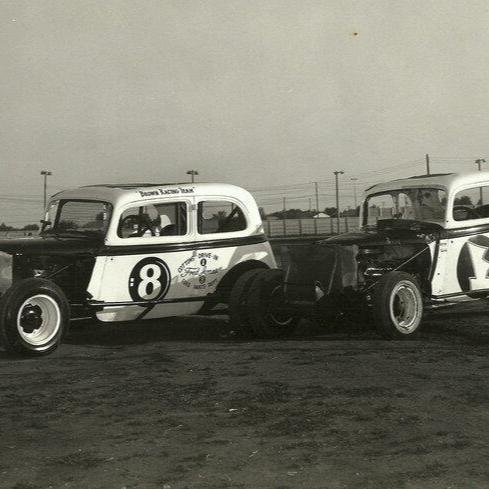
(127, 252)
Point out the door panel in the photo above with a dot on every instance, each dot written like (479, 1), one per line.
(139, 278)
(467, 264)
(177, 275)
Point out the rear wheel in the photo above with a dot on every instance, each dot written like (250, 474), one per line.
(268, 313)
(34, 317)
(397, 306)
(238, 302)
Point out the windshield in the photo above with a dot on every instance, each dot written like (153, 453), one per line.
(415, 204)
(77, 216)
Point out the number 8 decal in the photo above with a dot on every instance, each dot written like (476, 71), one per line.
(149, 280)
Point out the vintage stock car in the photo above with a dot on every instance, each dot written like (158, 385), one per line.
(127, 252)
(423, 243)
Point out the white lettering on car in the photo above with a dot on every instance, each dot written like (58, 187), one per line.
(166, 191)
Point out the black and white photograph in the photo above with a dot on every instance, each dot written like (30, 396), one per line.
(244, 244)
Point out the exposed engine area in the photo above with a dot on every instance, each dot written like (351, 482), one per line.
(71, 274)
(339, 275)
(5, 271)
(375, 261)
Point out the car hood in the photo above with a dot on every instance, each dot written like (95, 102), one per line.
(51, 245)
(388, 231)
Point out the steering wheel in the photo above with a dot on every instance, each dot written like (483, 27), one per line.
(470, 213)
(142, 226)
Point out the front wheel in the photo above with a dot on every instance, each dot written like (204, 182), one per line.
(397, 306)
(34, 317)
(268, 313)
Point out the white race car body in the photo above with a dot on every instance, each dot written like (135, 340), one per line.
(147, 251)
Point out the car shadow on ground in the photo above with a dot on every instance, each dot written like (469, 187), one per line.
(195, 329)
(212, 329)
(461, 326)
(450, 327)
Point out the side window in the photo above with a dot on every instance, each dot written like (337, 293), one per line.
(472, 203)
(219, 217)
(165, 219)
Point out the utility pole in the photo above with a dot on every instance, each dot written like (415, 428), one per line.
(317, 196)
(479, 162)
(193, 173)
(336, 173)
(310, 204)
(283, 216)
(354, 180)
(45, 174)
(427, 157)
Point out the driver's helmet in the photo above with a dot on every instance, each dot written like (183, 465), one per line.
(431, 206)
(428, 197)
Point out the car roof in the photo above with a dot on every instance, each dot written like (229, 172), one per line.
(122, 193)
(446, 181)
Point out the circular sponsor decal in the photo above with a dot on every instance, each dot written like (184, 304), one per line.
(466, 268)
(200, 271)
(149, 280)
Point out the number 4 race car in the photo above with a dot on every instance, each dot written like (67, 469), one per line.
(127, 252)
(423, 243)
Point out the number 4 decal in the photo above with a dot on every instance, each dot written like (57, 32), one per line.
(480, 264)
(149, 280)
(473, 264)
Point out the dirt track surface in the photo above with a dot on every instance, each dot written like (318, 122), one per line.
(178, 404)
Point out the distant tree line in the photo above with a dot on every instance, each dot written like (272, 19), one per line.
(309, 214)
(28, 227)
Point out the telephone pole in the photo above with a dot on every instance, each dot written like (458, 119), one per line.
(193, 173)
(283, 216)
(317, 196)
(479, 162)
(427, 157)
(354, 180)
(45, 174)
(336, 173)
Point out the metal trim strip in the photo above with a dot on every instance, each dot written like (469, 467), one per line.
(174, 247)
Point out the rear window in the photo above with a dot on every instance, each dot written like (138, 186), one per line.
(471, 203)
(220, 217)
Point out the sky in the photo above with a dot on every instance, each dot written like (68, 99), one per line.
(269, 95)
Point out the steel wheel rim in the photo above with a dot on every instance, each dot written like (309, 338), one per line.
(404, 307)
(48, 317)
(274, 313)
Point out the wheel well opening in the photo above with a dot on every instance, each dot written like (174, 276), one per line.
(226, 284)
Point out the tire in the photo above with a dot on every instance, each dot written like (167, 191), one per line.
(397, 306)
(238, 298)
(267, 313)
(34, 317)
